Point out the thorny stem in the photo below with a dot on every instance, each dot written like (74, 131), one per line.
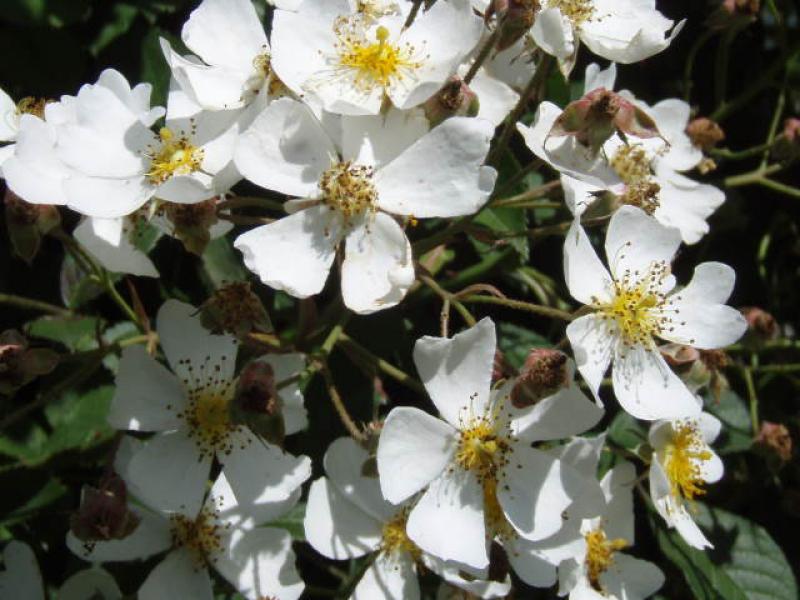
(31, 304)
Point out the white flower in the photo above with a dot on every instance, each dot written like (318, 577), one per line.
(189, 411)
(347, 517)
(480, 475)
(682, 463)
(640, 172)
(349, 194)
(231, 61)
(598, 569)
(634, 304)
(110, 243)
(351, 63)
(623, 31)
(222, 533)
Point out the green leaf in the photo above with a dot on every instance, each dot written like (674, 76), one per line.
(516, 342)
(76, 333)
(221, 264)
(627, 432)
(737, 434)
(293, 522)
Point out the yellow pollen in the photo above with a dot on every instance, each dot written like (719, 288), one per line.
(600, 555)
(371, 65)
(202, 537)
(395, 540)
(348, 189)
(683, 457)
(577, 11)
(633, 167)
(175, 156)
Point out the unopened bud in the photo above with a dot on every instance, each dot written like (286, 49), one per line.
(104, 514)
(192, 223)
(775, 443)
(20, 364)
(257, 402)
(543, 374)
(761, 326)
(455, 99)
(27, 224)
(704, 133)
(235, 309)
(595, 117)
(515, 17)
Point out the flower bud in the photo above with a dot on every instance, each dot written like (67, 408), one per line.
(20, 364)
(192, 223)
(595, 117)
(774, 442)
(235, 309)
(27, 224)
(455, 99)
(257, 403)
(704, 133)
(761, 326)
(104, 514)
(516, 17)
(543, 374)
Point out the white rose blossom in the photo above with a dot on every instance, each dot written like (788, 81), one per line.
(634, 304)
(476, 467)
(352, 63)
(189, 411)
(351, 192)
(683, 462)
(219, 532)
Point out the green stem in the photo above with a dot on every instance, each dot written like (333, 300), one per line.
(31, 304)
(538, 309)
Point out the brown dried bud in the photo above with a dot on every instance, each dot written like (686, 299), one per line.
(27, 224)
(20, 364)
(543, 374)
(595, 117)
(235, 309)
(775, 442)
(257, 403)
(455, 99)
(104, 514)
(192, 223)
(705, 133)
(761, 326)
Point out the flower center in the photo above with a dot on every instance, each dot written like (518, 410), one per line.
(577, 11)
(202, 537)
(395, 540)
(600, 555)
(371, 65)
(174, 156)
(683, 457)
(633, 167)
(637, 306)
(348, 189)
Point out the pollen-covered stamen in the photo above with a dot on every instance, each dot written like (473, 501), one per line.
(577, 11)
(633, 167)
(600, 555)
(173, 155)
(371, 64)
(202, 537)
(207, 412)
(639, 307)
(395, 540)
(348, 189)
(683, 459)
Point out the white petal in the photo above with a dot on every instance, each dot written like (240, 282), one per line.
(295, 253)
(177, 484)
(592, 342)
(698, 317)
(587, 279)
(285, 150)
(106, 198)
(88, 584)
(390, 577)
(415, 444)
(452, 503)
(21, 578)
(261, 564)
(150, 537)
(441, 174)
(177, 576)
(123, 257)
(147, 396)
(635, 241)
(457, 372)
(647, 388)
(377, 269)
(336, 527)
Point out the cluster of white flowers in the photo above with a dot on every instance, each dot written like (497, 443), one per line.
(357, 113)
